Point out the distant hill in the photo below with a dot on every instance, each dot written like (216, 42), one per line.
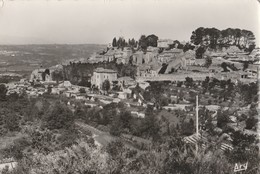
(25, 58)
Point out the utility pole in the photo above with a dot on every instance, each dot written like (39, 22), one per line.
(197, 115)
(258, 95)
(197, 122)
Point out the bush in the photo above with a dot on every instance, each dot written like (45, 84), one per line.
(222, 119)
(59, 116)
(82, 90)
(12, 122)
(68, 138)
(251, 122)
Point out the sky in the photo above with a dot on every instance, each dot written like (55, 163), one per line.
(89, 21)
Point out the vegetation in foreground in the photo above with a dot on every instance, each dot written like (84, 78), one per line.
(45, 138)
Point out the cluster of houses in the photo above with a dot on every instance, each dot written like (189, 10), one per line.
(138, 57)
(151, 61)
(150, 66)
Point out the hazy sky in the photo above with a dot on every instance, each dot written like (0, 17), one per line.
(89, 21)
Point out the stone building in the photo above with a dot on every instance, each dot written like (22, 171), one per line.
(101, 74)
(164, 43)
(41, 74)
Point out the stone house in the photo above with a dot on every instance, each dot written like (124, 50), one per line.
(164, 43)
(169, 55)
(41, 74)
(101, 74)
(138, 58)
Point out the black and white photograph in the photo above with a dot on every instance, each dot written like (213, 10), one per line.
(129, 87)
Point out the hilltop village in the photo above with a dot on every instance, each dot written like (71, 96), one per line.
(138, 98)
(119, 68)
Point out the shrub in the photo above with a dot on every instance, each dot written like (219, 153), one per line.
(59, 116)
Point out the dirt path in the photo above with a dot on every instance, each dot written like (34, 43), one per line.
(101, 137)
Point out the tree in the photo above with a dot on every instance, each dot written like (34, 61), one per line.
(178, 157)
(251, 122)
(114, 42)
(132, 43)
(151, 40)
(187, 128)
(179, 83)
(222, 118)
(224, 65)
(245, 65)
(125, 117)
(116, 126)
(187, 47)
(12, 121)
(197, 36)
(248, 92)
(57, 76)
(3, 91)
(189, 82)
(115, 149)
(205, 84)
(250, 48)
(150, 127)
(106, 85)
(200, 51)
(143, 43)
(49, 89)
(59, 116)
(82, 90)
(208, 61)
(213, 36)
(121, 43)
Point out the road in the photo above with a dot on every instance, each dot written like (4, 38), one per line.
(102, 138)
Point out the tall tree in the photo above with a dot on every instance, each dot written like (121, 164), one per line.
(106, 85)
(208, 61)
(197, 36)
(200, 51)
(3, 91)
(213, 35)
(189, 82)
(213, 38)
(114, 43)
(143, 43)
(152, 40)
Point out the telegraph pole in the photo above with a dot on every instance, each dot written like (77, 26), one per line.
(258, 95)
(197, 115)
(197, 122)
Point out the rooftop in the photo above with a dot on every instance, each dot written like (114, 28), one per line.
(102, 70)
(125, 79)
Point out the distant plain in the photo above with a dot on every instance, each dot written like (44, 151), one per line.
(22, 59)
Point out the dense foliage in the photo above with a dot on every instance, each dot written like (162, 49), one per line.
(51, 141)
(80, 73)
(215, 38)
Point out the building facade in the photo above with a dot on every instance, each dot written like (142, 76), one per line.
(41, 75)
(164, 43)
(101, 74)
